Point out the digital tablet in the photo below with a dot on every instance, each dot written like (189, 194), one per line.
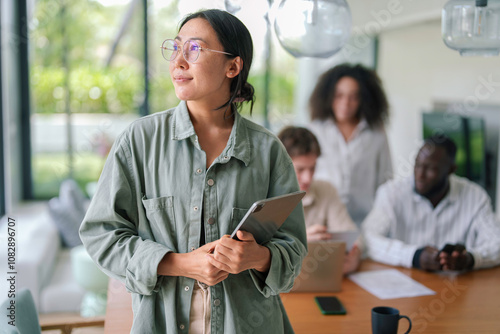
(265, 216)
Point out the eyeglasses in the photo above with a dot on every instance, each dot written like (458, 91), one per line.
(190, 50)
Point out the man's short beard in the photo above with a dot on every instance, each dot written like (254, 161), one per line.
(436, 189)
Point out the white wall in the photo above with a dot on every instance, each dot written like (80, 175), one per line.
(418, 70)
(391, 14)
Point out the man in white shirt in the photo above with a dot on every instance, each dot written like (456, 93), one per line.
(323, 210)
(434, 220)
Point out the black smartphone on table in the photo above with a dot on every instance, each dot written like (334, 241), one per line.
(448, 248)
(330, 305)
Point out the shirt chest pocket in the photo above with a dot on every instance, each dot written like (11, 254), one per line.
(160, 213)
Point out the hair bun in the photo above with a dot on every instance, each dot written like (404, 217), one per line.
(246, 93)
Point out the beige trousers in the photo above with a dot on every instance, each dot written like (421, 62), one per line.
(199, 317)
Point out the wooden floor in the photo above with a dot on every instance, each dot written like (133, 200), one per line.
(62, 317)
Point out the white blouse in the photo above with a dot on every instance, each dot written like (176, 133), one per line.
(357, 167)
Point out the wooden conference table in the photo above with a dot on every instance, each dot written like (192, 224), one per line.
(465, 304)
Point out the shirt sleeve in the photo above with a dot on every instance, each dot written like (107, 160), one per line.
(486, 235)
(110, 229)
(384, 171)
(376, 231)
(288, 247)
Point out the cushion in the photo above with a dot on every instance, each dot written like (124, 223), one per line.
(68, 211)
(5, 326)
(26, 317)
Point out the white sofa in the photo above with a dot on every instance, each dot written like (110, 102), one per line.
(42, 264)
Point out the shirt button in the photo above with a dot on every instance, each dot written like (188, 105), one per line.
(181, 326)
(198, 171)
(217, 302)
(186, 288)
(195, 208)
(226, 157)
(192, 249)
(211, 221)
(210, 182)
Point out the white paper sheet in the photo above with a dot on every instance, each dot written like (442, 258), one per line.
(390, 284)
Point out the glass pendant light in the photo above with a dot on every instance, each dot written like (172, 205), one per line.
(313, 28)
(232, 6)
(472, 27)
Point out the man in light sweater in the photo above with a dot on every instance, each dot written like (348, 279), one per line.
(434, 220)
(323, 210)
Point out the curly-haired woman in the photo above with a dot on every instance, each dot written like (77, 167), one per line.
(348, 108)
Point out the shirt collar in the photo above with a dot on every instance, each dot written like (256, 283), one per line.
(362, 125)
(311, 194)
(309, 198)
(238, 145)
(182, 127)
(239, 141)
(454, 192)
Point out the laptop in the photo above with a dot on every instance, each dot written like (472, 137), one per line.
(321, 268)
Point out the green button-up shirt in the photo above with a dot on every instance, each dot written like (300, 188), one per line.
(153, 195)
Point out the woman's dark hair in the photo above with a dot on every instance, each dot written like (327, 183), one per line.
(236, 40)
(373, 105)
(299, 141)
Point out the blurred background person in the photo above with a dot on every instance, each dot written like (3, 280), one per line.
(348, 108)
(323, 210)
(434, 220)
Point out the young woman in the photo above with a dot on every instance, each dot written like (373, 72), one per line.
(348, 108)
(177, 182)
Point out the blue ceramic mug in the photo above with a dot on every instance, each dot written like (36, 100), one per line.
(385, 320)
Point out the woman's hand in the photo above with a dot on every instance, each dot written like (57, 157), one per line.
(235, 256)
(193, 265)
(317, 232)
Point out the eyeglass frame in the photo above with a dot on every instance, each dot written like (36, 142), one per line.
(200, 48)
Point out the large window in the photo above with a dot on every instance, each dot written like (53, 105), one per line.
(90, 76)
(87, 84)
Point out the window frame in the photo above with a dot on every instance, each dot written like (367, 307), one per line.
(2, 159)
(24, 100)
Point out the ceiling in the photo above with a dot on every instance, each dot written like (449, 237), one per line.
(392, 14)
